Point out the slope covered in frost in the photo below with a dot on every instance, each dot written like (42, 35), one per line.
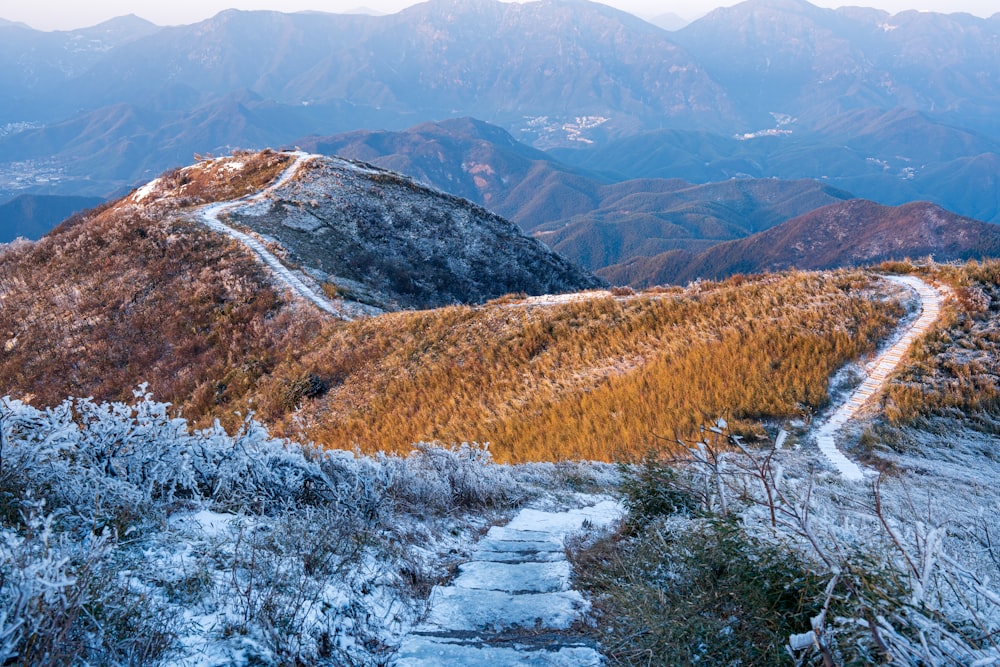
(381, 238)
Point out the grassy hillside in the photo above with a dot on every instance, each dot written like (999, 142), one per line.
(136, 293)
(593, 379)
(192, 314)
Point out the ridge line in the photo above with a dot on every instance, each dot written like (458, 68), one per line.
(209, 216)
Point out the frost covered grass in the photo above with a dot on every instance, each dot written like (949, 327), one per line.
(126, 538)
(746, 556)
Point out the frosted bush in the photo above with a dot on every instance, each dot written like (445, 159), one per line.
(62, 603)
(456, 477)
(902, 584)
(99, 463)
(322, 568)
(252, 470)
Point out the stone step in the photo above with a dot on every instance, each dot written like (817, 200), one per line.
(418, 651)
(514, 578)
(518, 556)
(455, 608)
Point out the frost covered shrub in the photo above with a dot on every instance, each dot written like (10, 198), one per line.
(118, 463)
(445, 479)
(652, 489)
(359, 486)
(776, 567)
(63, 603)
(320, 570)
(279, 590)
(698, 592)
(102, 464)
(254, 472)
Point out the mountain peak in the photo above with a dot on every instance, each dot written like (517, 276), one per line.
(375, 237)
(783, 6)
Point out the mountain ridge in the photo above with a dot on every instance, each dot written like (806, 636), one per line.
(852, 233)
(593, 74)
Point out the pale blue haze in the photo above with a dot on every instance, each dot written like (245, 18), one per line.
(63, 15)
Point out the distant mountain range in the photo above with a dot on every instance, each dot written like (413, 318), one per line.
(588, 219)
(646, 231)
(32, 216)
(554, 73)
(892, 108)
(729, 71)
(893, 157)
(851, 233)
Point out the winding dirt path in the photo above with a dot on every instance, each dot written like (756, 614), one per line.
(210, 216)
(878, 375)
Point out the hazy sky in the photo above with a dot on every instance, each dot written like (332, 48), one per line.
(67, 14)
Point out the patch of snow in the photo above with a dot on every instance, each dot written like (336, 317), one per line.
(557, 299)
(145, 191)
(302, 221)
(205, 522)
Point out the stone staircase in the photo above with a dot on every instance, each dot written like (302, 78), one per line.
(512, 603)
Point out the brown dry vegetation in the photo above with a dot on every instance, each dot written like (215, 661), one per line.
(125, 294)
(134, 293)
(593, 379)
(210, 180)
(122, 299)
(954, 371)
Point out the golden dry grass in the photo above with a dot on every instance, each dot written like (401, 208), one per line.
(595, 379)
(192, 314)
(132, 294)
